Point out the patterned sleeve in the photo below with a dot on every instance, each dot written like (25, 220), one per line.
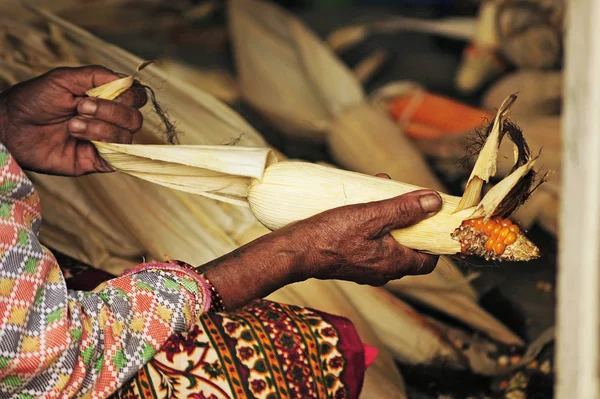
(60, 343)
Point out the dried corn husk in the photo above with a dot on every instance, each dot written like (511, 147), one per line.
(293, 78)
(540, 93)
(216, 82)
(432, 347)
(530, 32)
(115, 16)
(479, 64)
(348, 36)
(370, 65)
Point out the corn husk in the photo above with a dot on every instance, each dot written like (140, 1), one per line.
(540, 93)
(477, 69)
(369, 66)
(308, 93)
(115, 16)
(216, 82)
(530, 32)
(348, 36)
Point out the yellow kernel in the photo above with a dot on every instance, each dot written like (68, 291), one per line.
(506, 223)
(489, 245)
(499, 247)
(496, 230)
(503, 233)
(514, 229)
(510, 238)
(479, 224)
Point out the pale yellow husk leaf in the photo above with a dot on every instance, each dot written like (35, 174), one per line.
(485, 166)
(217, 82)
(111, 90)
(349, 36)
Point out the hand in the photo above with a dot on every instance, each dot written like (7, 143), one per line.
(353, 242)
(46, 123)
(348, 243)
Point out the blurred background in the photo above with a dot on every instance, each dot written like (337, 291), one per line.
(438, 69)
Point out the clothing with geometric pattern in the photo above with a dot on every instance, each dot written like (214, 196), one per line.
(58, 343)
(265, 350)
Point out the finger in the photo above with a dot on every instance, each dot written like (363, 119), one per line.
(112, 112)
(383, 175)
(88, 161)
(81, 79)
(404, 261)
(135, 97)
(98, 130)
(403, 211)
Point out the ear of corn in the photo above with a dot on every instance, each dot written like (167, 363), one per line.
(278, 193)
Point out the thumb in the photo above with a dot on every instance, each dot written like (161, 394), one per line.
(405, 210)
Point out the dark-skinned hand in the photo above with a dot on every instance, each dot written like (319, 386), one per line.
(347, 243)
(46, 123)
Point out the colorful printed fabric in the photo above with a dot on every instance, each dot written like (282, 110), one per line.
(265, 351)
(190, 365)
(68, 344)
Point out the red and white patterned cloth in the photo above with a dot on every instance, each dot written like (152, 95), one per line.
(56, 343)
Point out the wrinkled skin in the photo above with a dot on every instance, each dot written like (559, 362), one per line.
(46, 124)
(47, 121)
(347, 243)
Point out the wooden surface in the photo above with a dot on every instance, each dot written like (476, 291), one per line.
(579, 258)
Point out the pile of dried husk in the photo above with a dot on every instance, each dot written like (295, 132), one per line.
(295, 80)
(91, 219)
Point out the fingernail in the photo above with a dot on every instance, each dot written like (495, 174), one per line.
(430, 202)
(88, 107)
(77, 126)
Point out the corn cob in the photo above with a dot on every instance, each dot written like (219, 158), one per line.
(277, 191)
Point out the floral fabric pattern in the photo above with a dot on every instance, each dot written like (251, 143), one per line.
(265, 350)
